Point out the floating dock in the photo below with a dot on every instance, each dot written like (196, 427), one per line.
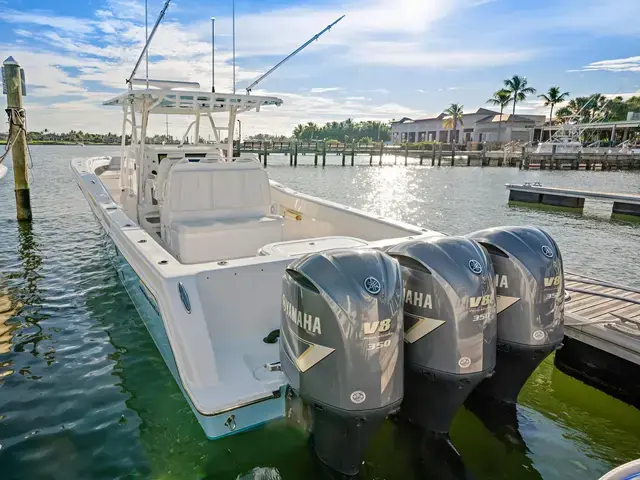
(602, 336)
(623, 203)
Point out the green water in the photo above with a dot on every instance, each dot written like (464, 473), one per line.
(84, 393)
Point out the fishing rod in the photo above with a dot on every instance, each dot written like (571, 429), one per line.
(293, 54)
(148, 42)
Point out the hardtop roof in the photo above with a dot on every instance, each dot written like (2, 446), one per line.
(187, 102)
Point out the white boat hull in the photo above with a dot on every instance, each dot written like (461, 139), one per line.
(209, 319)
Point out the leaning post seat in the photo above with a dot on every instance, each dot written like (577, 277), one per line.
(218, 211)
(163, 173)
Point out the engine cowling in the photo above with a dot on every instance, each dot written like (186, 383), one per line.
(530, 300)
(341, 347)
(450, 326)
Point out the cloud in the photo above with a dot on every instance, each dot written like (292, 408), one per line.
(68, 24)
(629, 64)
(324, 90)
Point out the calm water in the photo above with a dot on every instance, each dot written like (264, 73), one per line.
(84, 393)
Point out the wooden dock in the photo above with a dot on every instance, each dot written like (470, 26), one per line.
(433, 154)
(602, 336)
(626, 204)
(604, 315)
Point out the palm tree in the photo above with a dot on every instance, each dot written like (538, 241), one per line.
(298, 131)
(453, 116)
(501, 98)
(552, 98)
(517, 88)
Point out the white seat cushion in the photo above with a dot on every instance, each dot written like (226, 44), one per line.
(204, 240)
(218, 211)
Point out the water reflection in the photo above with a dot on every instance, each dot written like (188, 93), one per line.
(21, 304)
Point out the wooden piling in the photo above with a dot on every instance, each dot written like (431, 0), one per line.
(353, 153)
(265, 154)
(406, 154)
(18, 137)
(344, 154)
(371, 158)
(295, 155)
(381, 153)
(324, 153)
(315, 156)
(433, 154)
(439, 154)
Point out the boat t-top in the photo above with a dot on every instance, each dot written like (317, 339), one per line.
(257, 295)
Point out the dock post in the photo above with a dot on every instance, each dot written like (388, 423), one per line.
(18, 137)
(406, 154)
(381, 153)
(344, 154)
(324, 153)
(295, 155)
(353, 152)
(433, 154)
(371, 158)
(421, 159)
(315, 157)
(290, 156)
(439, 154)
(265, 154)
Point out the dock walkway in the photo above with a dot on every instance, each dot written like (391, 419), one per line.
(603, 315)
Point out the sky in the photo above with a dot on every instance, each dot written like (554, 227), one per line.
(387, 59)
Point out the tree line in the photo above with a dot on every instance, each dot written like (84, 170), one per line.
(347, 130)
(80, 137)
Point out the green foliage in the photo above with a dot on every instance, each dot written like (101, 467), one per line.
(598, 107)
(265, 137)
(453, 116)
(72, 137)
(347, 130)
(501, 99)
(518, 89)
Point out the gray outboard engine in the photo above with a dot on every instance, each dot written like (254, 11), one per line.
(530, 299)
(341, 347)
(450, 326)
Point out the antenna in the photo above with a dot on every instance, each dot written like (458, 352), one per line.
(146, 45)
(146, 36)
(213, 54)
(234, 44)
(294, 53)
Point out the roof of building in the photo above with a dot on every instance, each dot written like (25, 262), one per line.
(507, 117)
(480, 111)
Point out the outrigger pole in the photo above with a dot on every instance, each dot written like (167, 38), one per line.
(294, 53)
(146, 45)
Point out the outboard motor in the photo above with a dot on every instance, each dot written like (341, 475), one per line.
(530, 298)
(450, 326)
(341, 347)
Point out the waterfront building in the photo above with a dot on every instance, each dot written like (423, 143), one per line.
(481, 126)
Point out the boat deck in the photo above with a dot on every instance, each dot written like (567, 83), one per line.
(604, 315)
(111, 180)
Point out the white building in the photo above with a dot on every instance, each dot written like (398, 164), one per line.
(482, 126)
